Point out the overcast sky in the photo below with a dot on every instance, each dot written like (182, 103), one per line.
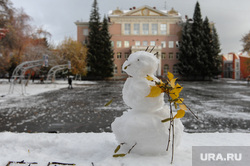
(231, 17)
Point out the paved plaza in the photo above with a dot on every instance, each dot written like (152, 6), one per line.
(220, 106)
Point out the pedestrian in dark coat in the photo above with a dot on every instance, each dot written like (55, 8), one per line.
(70, 83)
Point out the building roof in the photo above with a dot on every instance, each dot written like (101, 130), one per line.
(144, 11)
(230, 56)
(246, 55)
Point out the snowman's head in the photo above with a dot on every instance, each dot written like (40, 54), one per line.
(140, 64)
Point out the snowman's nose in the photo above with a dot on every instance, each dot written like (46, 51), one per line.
(126, 66)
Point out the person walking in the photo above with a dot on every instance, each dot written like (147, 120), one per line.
(70, 83)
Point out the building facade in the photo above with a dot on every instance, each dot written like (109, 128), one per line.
(235, 66)
(140, 28)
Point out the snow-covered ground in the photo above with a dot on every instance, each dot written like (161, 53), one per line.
(83, 149)
(33, 88)
(88, 149)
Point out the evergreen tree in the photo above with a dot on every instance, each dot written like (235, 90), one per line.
(94, 44)
(185, 68)
(107, 50)
(216, 58)
(197, 40)
(208, 50)
(199, 49)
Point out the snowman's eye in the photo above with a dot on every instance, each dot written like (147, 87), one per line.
(138, 59)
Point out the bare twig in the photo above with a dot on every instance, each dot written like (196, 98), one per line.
(190, 111)
(57, 163)
(188, 108)
(122, 154)
(131, 148)
(146, 49)
(152, 49)
(20, 162)
(171, 131)
(172, 158)
(170, 124)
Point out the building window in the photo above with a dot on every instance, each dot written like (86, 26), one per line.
(85, 32)
(175, 69)
(171, 44)
(163, 44)
(85, 41)
(127, 29)
(177, 44)
(145, 43)
(118, 44)
(119, 55)
(126, 55)
(136, 29)
(171, 55)
(137, 43)
(112, 43)
(126, 44)
(177, 55)
(163, 29)
(115, 69)
(154, 29)
(237, 65)
(165, 69)
(145, 29)
(163, 55)
(152, 43)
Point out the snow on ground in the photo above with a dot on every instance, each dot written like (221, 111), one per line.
(34, 88)
(83, 149)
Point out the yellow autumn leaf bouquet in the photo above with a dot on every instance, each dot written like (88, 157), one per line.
(173, 92)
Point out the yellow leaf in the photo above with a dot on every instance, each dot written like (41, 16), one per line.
(117, 148)
(178, 88)
(172, 83)
(174, 94)
(108, 103)
(161, 83)
(154, 91)
(180, 101)
(183, 107)
(180, 114)
(149, 78)
(119, 155)
(170, 76)
(175, 105)
(166, 120)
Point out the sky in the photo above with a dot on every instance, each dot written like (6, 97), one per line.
(231, 17)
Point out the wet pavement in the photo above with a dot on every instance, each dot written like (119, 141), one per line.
(220, 106)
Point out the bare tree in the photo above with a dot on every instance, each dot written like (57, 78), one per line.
(246, 42)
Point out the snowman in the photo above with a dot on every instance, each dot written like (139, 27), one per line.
(140, 127)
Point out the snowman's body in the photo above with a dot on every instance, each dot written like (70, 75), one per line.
(135, 91)
(141, 125)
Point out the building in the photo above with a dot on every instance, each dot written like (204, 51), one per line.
(137, 28)
(244, 66)
(235, 66)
